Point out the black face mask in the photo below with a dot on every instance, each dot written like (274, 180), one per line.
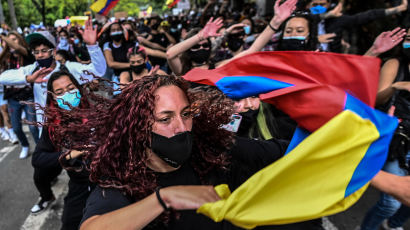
(155, 26)
(235, 42)
(248, 118)
(116, 38)
(292, 44)
(200, 56)
(45, 62)
(175, 151)
(137, 68)
(406, 53)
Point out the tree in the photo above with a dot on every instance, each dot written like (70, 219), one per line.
(2, 20)
(12, 14)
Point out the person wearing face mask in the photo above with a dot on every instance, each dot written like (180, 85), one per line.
(298, 34)
(172, 152)
(43, 46)
(63, 41)
(336, 24)
(16, 55)
(64, 95)
(80, 50)
(139, 66)
(394, 97)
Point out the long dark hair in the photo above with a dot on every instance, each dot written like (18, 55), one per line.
(313, 42)
(5, 55)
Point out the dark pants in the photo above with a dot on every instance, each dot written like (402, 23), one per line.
(74, 204)
(43, 178)
(15, 110)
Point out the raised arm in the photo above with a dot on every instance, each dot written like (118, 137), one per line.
(14, 45)
(210, 30)
(282, 12)
(386, 41)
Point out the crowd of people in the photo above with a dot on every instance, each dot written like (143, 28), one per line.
(143, 148)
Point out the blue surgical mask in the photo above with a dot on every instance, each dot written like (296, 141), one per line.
(63, 41)
(302, 38)
(318, 9)
(76, 41)
(406, 45)
(70, 98)
(247, 30)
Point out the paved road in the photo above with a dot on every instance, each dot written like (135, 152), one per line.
(18, 195)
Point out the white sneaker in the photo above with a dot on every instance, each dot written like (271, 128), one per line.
(24, 152)
(4, 135)
(12, 137)
(385, 226)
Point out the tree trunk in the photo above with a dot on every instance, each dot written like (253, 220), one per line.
(2, 21)
(12, 14)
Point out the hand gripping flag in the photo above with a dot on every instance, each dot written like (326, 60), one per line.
(340, 144)
(103, 7)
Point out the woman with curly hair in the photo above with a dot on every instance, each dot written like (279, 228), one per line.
(161, 149)
(54, 149)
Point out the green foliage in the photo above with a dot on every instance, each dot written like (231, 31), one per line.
(27, 13)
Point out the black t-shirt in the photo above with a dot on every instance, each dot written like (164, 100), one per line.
(162, 40)
(19, 92)
(119, 54)
(248, 157)
(82, 53)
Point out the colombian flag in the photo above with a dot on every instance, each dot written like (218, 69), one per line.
(340, 145)
(171, 3)
(103, 7)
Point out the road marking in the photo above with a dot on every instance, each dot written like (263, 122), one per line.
(4, 152)
(35, 222)
(327, 224)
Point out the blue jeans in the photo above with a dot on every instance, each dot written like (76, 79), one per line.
(387, 207)
(15, 110)
(400, 217)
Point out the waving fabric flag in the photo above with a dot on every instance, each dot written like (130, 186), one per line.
(342, 142)
(103, 7)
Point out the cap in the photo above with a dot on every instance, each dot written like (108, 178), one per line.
(41, 35)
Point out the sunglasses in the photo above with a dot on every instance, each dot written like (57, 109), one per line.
(198, 46)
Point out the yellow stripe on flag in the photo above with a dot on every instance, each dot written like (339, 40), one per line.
(307, 183)
(98, 5)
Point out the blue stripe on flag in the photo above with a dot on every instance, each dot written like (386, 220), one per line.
(238, 87)
(376, 155)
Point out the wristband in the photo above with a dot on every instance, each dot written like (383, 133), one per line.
(274, 30)
(161, 202)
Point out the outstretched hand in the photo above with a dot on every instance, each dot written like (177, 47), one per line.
(336, 12)
(89, 34)
(211, 28)
(283, 11)
(39, 75)
(387, 40)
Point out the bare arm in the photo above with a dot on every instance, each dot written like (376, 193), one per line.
(113, 64)
(396, 186)
(153, 45)
(155, 53)
(395, 10)
(135, 216)
(14, 45)
(387, 75)
(174, 61)
(282, 12)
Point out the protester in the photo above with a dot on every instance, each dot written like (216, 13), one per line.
(16, 56)
(64, 94)
(393, 95)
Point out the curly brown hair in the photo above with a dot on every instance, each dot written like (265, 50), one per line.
(122, 134)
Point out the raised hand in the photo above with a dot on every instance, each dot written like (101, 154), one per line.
(386, 41)
(283, 11)
(336, 12)
(326, 38)
(39, 75)
(211, 28)
(89, 34)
